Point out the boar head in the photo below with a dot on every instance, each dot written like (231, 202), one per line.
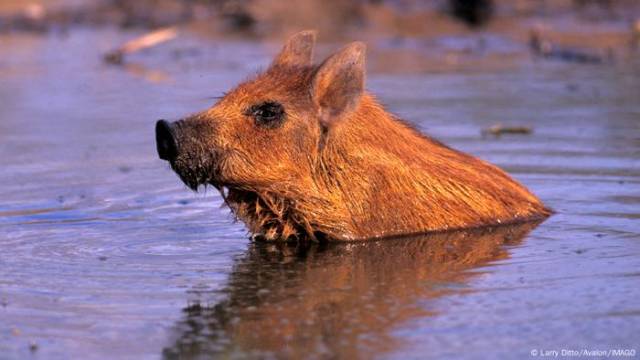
(260, 144)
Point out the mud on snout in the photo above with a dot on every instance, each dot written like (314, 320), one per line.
(183, 144)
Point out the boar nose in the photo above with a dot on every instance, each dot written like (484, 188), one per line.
(165, 141)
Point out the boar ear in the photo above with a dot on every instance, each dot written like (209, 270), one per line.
(339, 83)
(298, 51)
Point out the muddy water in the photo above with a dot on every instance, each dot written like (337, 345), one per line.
(104, 254)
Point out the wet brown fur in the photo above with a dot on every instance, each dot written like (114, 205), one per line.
(351, 171)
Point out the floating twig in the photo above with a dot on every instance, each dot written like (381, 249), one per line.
(144, 42)
(546, 49)
(499, 129)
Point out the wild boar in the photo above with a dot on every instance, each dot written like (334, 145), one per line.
(302, 151)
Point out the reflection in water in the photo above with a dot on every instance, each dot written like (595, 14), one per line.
(333, 300)
(151, 75)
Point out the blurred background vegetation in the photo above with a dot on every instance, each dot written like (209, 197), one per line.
(331, 17)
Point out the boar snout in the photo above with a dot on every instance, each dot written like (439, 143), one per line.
(165, 141)
(184, 145)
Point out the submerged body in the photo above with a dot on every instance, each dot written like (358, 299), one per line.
(302, 151)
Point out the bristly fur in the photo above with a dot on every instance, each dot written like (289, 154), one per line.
(352, 171)
(267, 215)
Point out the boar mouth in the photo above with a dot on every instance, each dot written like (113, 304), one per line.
(192, 179)
(197, 170)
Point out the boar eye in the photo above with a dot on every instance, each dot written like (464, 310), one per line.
(268, 114)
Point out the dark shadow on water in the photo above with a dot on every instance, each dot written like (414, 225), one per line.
(336, 300)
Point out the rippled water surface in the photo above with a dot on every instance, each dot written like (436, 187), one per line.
(105, 254)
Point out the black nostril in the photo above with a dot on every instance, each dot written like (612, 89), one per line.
(165, 141)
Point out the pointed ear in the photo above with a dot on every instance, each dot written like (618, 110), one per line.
(298, 51)
(339, 83)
